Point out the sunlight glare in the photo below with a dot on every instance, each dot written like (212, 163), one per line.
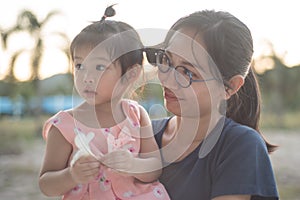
(22, 70)
(54, 62)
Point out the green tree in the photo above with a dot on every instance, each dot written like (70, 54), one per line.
(280, 88)
(27, 22)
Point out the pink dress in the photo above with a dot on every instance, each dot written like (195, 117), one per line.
(109, 185)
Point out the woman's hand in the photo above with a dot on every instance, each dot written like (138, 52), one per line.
(85, 169)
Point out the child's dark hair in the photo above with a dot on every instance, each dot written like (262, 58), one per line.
(127, 48)
(229, 43)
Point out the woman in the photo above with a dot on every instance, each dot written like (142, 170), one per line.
(211, 146)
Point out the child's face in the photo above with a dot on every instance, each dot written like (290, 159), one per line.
(96, 78)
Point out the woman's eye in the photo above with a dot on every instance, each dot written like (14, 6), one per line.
(100, 67)
(187, 72)
(191, 73)
(78, 66)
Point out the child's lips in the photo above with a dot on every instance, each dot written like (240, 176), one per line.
(90, 92)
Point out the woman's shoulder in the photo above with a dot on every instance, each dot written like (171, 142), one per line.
(234, 132)
(234, 129)
(241, 156)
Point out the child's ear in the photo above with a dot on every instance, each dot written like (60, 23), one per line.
(134, 72)
(236, 82)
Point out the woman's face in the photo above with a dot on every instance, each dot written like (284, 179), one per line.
(204, 94)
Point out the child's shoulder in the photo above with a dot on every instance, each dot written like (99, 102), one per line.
(61, 113)
(58, 118)
(139, 111)
(129, 104)
(62, 121)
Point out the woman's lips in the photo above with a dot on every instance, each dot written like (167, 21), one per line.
(169, 95)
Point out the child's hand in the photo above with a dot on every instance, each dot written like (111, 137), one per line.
(120, 160)
(85, 169)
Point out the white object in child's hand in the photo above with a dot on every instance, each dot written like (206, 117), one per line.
(82, 142)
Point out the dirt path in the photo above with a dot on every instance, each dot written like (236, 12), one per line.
(19, 172)
(286, 162)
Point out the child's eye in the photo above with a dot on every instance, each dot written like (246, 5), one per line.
(100, 67)
(78, 66)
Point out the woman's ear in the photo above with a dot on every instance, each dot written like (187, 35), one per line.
(235, 83)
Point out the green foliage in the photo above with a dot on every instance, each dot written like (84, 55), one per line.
(287, 120)
(28, 22)
(280, 88)
(14, 132)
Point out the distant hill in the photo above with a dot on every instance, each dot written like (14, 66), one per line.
(57, 84)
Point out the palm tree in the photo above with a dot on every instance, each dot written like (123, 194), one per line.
(28, 22)
(35, 27)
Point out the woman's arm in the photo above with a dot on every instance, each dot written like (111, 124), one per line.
(56, 178)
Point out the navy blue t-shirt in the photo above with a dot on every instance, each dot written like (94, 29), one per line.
(238, 164)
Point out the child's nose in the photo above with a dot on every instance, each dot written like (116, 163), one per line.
(89, 78)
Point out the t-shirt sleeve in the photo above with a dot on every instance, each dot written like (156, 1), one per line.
(244, 167)
(158, 127)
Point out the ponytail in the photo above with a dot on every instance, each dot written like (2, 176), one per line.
(244, 107)
(109, 12)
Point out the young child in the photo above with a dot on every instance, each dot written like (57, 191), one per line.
(104, 148)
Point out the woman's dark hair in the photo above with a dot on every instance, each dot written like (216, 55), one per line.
(229, 43)
(127, 48)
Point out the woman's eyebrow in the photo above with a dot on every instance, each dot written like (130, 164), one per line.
(182, 61)
(198, 68)
(187, 63)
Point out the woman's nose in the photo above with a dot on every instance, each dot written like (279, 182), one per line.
(168, 79)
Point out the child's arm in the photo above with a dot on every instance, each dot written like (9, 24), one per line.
(56, 177)
(146, 167)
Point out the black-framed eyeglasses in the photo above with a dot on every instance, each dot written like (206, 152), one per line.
(183, 76)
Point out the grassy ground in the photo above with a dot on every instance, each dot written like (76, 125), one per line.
(286, 121)
(21, 151)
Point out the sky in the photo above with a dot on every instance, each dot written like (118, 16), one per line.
(269, 21)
